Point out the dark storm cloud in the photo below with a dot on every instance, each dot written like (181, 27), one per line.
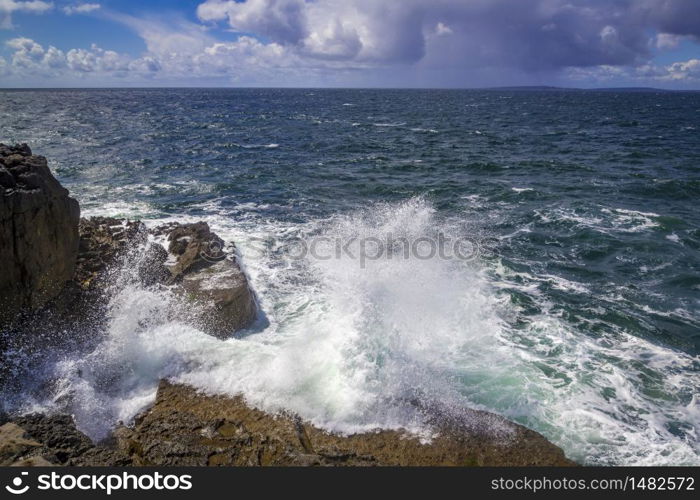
(678, 17)
(526, 34)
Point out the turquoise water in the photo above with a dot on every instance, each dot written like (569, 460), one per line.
(580, 321)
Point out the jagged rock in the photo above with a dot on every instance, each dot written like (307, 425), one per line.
(40, 441)
(151, 267)
(14, 444)
(102, 241)
(60, 440)
(193, 245)
(224, 301)
(38, 232)
(210, 278)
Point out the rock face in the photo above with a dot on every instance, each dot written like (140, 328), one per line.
(41, 440)
(102, 241)
(38, 232)
(209, 277)
(185, 428)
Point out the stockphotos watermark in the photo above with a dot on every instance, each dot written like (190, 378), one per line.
(101, 483)
(362, 250)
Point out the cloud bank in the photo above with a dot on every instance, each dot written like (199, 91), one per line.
(444, 42)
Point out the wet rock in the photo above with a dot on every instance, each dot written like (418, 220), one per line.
(102, 241)
(185, 427)
(151, 267)
(38, 232)
(194, 246)
(78, 313)
(223, 301)
(41, 440)
(60, 440)
(7, 181)
(210, 279)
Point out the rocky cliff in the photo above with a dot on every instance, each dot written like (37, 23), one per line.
(38, 232)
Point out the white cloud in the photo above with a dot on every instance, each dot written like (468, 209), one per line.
(235, 59)
(281, 20)
(7, 7)
(82, 8)
(30, 58)
(81, 60)
(684, 72)
(54, 58)
(441, 29)
(667, 41)
(528, 34)
(27, 53)
(145, 65)
(362, 30)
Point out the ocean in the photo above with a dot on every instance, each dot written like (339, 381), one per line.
(572, 308)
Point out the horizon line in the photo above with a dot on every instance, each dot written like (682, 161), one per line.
(251, 87)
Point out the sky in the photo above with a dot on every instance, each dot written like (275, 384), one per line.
(350, 43)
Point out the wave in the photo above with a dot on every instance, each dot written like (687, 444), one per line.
(352, 347)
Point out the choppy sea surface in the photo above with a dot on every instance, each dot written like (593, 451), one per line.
(581, 320)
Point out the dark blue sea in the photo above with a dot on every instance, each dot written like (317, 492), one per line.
(574, 307)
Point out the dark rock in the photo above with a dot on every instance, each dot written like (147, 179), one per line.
(77, 314)
(7, 181)
(59, 438)
(102, 241)
(194, 246)
(151, 267)
(38, 232)
(20, 149)
(41, 440)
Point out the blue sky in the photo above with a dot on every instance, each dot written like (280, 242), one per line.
(347, 43)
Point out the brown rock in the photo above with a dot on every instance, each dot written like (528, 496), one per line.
(210, 278)
(185, 427)
(33, 462)
(14, 444)
(223, 300)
